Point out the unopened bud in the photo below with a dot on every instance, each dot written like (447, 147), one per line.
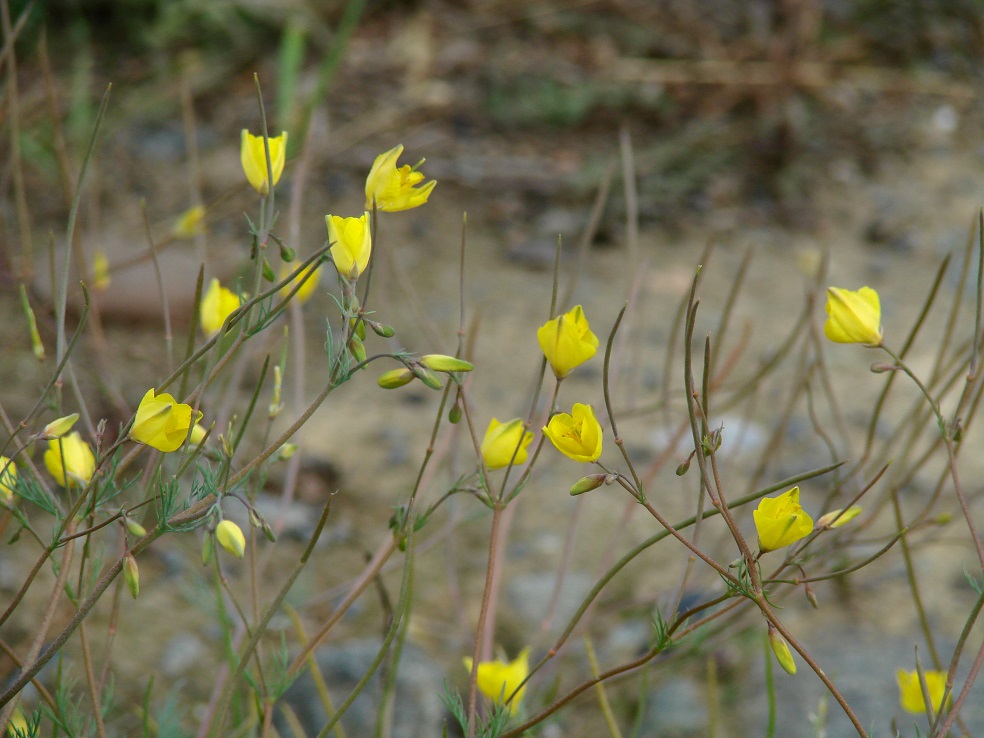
(268, 273)
(230, 537)
(254, 519)
(268, 532)
(134, 528)
(381, 329)
(684, 467)
(781, 650)
(811, 596)
(454, 414)
(428, 377)
(58, 428)
(132, 575)
(198, 434)
(880, 367)
(395, 378)
(358, 326)
(357, 348)
(275, 406)
(286, 253)
(588, 483)
(32, 324)
(443, 363)
(837, 518)
(286, 451)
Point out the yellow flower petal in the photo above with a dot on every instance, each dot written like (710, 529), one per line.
(567, 341)
(8, 479)
(217, 304)
(911, 694)
(502, 440)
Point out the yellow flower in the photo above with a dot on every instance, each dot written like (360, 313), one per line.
(393, 188)
(162, 422)
(8, 479)
(231, 538)
(351, 244)
(192, 221)
(577, 435)
(217, 304)
(853, 317)
(69, 460)
(310, 282)
(781, 521)
(567, 341)
(910, 690)
(837, 518)
(501, 441)
(395, 378)
(18, 724)
(100, 271)
(497, 680)
(254, 161)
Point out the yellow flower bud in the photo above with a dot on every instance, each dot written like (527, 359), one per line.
(780, 521)
(230, 537)
(911, 693)
(781, 649)
(286, 451)
(252, 154)
(837, 518)
(190, 223)
(8, 479)
(578, 435)
(442, 363)
(162, 422)
(132, 575)
(351, 244)
(70, 461)
(500, 680)
(394, 189)
(502, 440)
(58, 428)
(311, 276)
(37, 346)
(853, 317)
(588, 483)
(395, 378)
(567, 341)
(217, 304)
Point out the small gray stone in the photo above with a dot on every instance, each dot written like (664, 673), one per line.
(417, 707)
